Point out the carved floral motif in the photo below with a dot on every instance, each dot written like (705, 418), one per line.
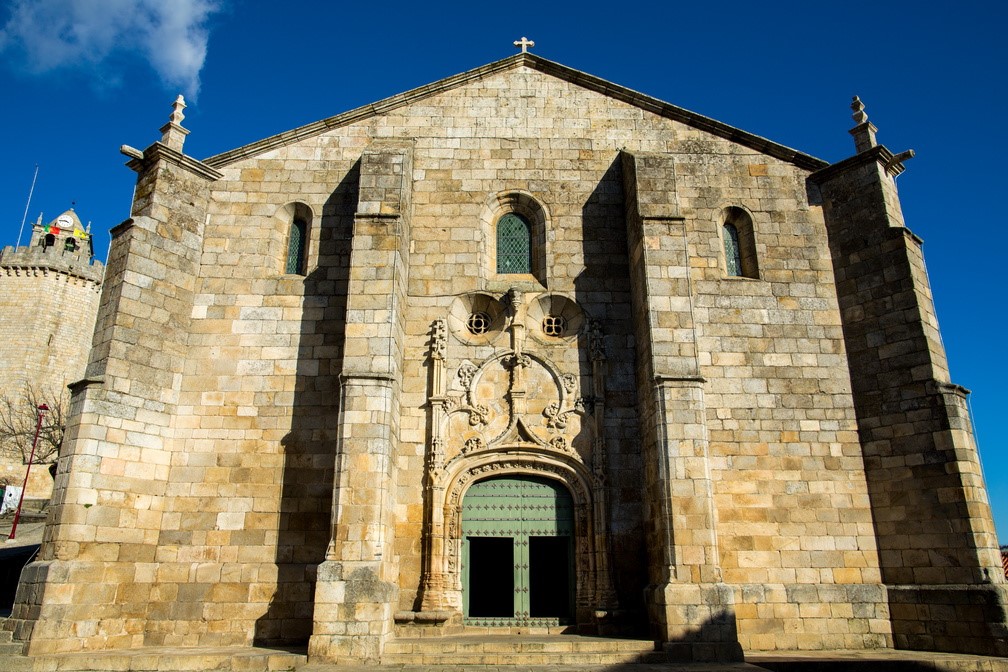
(474, 444)
(554, 418)
(560, 444)
(478, 415)
(518, 360)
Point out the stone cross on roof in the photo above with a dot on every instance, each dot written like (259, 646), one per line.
(524, 43)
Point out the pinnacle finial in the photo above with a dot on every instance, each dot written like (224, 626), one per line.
(524, 43)
(864, 130)
(172, 133)
(859, 116)
(177, 107)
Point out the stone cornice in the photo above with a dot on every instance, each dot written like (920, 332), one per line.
(878, 154)
(539, 64)
(160, 152)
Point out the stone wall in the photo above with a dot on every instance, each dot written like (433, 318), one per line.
(936, 537)
(260, 456)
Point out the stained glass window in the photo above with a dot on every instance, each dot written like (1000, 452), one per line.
(733, 257)
(296, 247)
(514, 241)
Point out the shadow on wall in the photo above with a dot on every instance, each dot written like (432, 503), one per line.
(603, 289)
(310, 447)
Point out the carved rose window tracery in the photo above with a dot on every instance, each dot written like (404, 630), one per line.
(478, 324)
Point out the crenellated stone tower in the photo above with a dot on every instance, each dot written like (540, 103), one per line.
(49, 293)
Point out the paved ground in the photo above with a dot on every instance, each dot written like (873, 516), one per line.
(250, 659)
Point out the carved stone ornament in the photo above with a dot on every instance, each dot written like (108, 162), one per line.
(599, 457)
(439, 339)
(455, 492)
(596, 342)
(518, 360)
(436, 458)
(560, 444)
(569, 382)
(585, 404)
(472, 445)
(554, 418)
(514, 300)
(466, 372)
(478, 415)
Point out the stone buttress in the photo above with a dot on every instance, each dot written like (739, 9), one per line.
(357, 590)
(95, 567)
(690, 608)
(936, 539)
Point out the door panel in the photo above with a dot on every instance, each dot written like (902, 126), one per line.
(517, 540)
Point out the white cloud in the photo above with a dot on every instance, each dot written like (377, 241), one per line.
(170, 34)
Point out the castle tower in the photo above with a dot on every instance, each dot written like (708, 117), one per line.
(49, 294)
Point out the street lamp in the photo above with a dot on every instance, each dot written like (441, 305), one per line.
(42, 409)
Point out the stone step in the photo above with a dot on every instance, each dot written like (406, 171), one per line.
(884, 660)
(472, 649)
(160, 659)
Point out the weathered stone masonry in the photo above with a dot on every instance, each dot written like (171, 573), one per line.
(758, 454)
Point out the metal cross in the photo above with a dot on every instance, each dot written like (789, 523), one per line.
(524, 43)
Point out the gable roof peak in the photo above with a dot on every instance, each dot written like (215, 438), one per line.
(538, 63)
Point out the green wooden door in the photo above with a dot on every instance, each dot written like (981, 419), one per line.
(517, 552)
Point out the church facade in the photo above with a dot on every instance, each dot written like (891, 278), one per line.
(525, 351)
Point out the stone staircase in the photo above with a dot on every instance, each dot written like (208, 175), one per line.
(473, 649)
(473, 652)
(11, 659)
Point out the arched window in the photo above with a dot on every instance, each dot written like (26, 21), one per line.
(739, 241)
(733, 257)
(514, 244)
(48, 241)
(70, 245)
(296, 246)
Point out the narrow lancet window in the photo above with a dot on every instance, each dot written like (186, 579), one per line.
(296, 247)
(732, 252)
(514, 245)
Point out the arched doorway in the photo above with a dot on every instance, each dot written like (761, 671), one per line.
(518, 552)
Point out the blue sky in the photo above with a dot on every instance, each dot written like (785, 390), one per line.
(80, 78)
